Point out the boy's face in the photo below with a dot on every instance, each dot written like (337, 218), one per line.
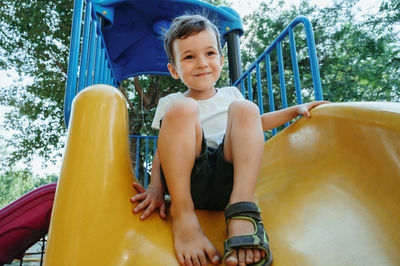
(197, 61)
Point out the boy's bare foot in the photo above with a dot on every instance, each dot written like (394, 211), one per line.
(237, 227)
(192, 247)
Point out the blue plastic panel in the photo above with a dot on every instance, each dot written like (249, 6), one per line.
(132, 31)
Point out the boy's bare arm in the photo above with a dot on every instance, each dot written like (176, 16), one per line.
(152, 198)
(156, 173)
(275, 119)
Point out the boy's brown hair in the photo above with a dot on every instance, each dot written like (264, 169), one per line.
(184, 26)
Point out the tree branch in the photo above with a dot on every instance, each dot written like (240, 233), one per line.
(138, 89)
(58, 63)
(122, 89)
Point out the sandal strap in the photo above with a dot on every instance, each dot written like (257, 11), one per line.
(243, 208)
(248, 241)
(258, 240)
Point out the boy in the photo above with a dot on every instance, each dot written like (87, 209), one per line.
(209, 151)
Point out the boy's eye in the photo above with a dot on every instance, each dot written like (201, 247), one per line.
(188, 57)
(210, 53)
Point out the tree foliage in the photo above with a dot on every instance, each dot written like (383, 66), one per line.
(390, 12)
(358, 57)
(359, 60)
(34, 40)
(14, 184)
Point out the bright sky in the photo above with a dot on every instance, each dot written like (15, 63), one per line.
(243, 7)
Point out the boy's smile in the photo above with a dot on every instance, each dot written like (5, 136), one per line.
(197, 63)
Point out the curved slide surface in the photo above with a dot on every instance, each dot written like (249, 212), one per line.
(328, 190)
(24, 222)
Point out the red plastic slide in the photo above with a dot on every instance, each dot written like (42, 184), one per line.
(25, 221)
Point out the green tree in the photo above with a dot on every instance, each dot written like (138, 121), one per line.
(358, 59)
(14, 184)
(34, 40)
(356, 64)
(390, 11)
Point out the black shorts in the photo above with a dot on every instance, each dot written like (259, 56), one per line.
(211, 181)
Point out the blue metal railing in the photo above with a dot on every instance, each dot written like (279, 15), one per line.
(88, 55)
(89, 63)
(266, 57)
(144, 161)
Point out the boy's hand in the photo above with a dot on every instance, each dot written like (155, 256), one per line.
(304, 109)
(149, 200)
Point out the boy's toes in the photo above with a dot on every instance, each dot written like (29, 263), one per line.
(242, 257)
(202, 260)
(232, 259)
(188, 261)
(213, 254)
(256, 255)
(249, 256)
(181, 259)
(196, 261)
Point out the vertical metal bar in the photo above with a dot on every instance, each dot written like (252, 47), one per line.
(270, 88)
(242, 88)
(259, 90)
(98, 60)
(147, 164)
(102, 64)
(235, 60)
(296, 76)
(137, 157)
(105, 69)
(92, 53)
(85, 47)
(154, 150)
(43, 250)
(109, 77)
(282, 77)
(313, 60)
(72, 73)
(249, 88)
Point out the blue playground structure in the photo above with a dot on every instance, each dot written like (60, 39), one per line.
(328, 186)
(115, 35)
(110, 38)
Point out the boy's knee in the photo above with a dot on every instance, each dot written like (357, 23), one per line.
(243, 107)
(182, 108)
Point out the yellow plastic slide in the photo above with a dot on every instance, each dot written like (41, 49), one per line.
(329, 190)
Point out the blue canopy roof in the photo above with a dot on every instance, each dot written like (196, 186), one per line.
(133, 31)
